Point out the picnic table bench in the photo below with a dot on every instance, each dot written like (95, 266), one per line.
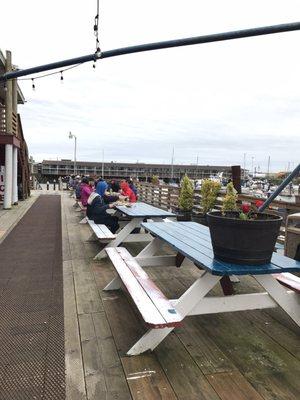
(191, 241)
(155, 309)
(136, 214)
(100, 231)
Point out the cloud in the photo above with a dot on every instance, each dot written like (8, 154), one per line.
(216, 101)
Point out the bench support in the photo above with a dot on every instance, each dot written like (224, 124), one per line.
(290, 304)
(183, 305)
(126, 231)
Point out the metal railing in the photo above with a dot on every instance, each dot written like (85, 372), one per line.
(166, 197)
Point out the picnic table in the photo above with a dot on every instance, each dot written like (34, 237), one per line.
(191, 241)
(136, 213)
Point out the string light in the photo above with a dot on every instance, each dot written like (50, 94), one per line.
(5, 87)
(96, 33)
(33, 85)
(61, 77)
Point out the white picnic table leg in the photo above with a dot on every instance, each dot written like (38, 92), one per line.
(183, 305)
(289, 302)
(126, 231)
(150, 249)
(115, 284)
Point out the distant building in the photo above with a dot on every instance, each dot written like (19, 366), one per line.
(50, 169)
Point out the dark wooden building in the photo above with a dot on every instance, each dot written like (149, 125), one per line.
(14, 167)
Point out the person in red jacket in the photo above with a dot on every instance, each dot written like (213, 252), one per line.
(126, 191)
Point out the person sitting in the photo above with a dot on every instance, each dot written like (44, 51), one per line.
(114, 186)
(126, 191)
(85, 190)
(101, 189)
(133, 187)
(96, 211)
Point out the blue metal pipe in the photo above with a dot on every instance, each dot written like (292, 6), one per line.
(217, 37)
(280, 188)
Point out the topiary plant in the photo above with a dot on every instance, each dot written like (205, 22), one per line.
(186, 196)
(209, 193)
(155, 180)
(230, 199)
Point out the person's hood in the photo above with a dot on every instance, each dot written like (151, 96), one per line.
(92, 197)
(124, 186)
(101, 188)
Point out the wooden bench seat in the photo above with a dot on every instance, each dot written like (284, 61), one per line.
(101, 231)
(289, 280)
(155, 309)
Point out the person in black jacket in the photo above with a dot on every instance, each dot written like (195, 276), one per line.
(96, 211)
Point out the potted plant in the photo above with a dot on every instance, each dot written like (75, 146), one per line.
(242, 236)
(209, 193)
(186, 200)
(155, 180)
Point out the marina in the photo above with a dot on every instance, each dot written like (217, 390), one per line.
(149, 201)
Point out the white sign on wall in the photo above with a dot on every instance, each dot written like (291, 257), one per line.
(1, 180)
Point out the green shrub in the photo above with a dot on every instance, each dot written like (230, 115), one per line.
(230, 199)
(155, 180)
(186, 196)
(209, 194)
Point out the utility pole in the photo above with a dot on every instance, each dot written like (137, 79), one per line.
(244, 174)
(102, 163)
(268, 174)
(172, 164)
(71, 136)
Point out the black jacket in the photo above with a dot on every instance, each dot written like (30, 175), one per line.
(97, 210)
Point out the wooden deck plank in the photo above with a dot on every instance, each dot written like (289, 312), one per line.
(146, 379)
(87, 296)
(233, 386)
(92, 361)
(266, 364)
(284, 337)
(116, 383)
(75, 383)
(186, 379)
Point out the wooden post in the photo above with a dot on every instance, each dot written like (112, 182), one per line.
(8, 97)
(236, 177)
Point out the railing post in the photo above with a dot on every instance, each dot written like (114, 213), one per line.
(236, 177)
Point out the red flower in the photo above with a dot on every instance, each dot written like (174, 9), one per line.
(258, 203)
(245, 208)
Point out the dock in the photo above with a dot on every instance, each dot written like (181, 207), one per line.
(234, 356)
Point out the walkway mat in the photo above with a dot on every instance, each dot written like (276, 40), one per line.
(32, 364)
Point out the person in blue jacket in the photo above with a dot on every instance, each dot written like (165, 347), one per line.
(101, 189)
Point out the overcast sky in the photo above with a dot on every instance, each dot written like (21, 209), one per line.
(216, 101)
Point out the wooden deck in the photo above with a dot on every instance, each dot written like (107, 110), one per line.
(233, 356)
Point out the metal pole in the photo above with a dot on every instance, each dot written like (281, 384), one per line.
(103, 163)
(283, 184)
(217, 37)
(172, 164)
(75, 155)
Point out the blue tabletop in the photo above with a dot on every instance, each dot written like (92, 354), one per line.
(144, 210)
(193, 241)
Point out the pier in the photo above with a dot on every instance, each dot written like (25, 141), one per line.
(239, 355)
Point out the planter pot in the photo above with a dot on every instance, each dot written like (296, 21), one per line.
(200, 219)
(184, 216)
(247, 242)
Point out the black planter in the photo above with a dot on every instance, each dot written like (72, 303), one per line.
(184, 216)
(200, 219)
(243, 242)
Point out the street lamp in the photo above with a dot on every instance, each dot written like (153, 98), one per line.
(71, 136)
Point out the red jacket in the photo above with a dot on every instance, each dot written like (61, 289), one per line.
(126, 191)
